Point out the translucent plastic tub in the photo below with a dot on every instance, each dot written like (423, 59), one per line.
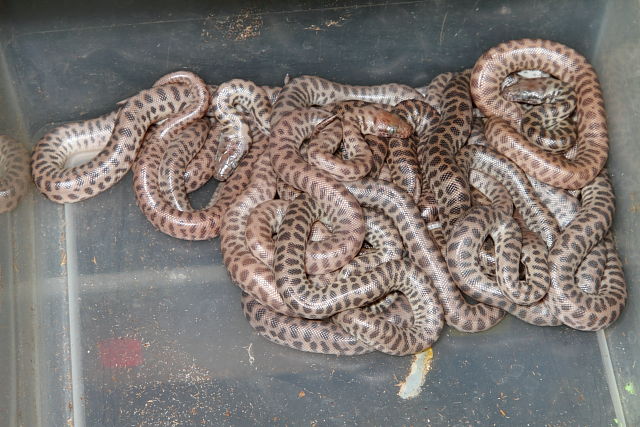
(87, 285)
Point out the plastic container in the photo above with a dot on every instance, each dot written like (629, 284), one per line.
(91, 285)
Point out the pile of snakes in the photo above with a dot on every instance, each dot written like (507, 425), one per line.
(363, 218)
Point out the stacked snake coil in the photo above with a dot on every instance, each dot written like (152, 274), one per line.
(363, 218)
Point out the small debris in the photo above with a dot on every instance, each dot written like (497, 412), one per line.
(630, 388)
(251, 358)
(412, 385)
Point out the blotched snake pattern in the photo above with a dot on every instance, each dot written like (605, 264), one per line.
(14, 172)
(362, 218)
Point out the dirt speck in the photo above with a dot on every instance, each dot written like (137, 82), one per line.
(329, 23)
(314, 28)
(243, 26)
(502, 412)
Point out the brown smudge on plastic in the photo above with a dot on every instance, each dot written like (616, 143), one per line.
(635, 205)
(243, 26)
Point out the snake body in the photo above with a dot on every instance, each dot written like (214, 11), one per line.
(14, 172)
(575, 307)
(403, 159)
(175, 156)
(344, 129)
(366, 323)
(68, 185)
(261, 303)
(230, 100)
(265, 221)
(462, 258)
(321, 336)
(164, 172)
(176, 122)
(562, 204)
(448, 183)
(347, 294)
(434, 91)
(308, 91)
(164, 201)
(338, 204)
(537, 216)
(423, 251)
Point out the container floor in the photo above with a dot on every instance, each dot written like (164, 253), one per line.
(91, 285)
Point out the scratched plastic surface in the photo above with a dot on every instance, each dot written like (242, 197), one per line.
(90, 286)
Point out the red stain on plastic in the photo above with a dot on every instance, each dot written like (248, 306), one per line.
(120, 352)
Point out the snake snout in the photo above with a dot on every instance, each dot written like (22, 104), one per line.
(389, 124)
(226, 162)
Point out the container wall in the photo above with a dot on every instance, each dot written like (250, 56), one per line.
(18, 305)
(103, 287)
(618, 60)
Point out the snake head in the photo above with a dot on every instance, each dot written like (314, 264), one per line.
(536, 91)
(225, 164)
(233, 144)
(388, 124)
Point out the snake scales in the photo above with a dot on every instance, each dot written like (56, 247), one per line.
(14, 172)
(361, 218)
